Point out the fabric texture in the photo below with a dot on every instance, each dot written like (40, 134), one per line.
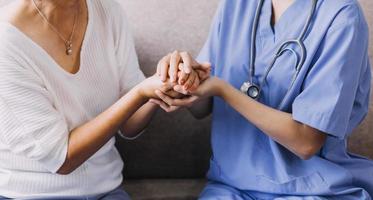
(331, 94)
(117, 194)
(160, 26)
(40, 104)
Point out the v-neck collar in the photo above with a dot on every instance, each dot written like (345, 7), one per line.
(274, 32)
(48, 56)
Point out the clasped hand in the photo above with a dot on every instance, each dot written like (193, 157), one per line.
(180, 81)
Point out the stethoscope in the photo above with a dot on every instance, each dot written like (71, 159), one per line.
(249, 87)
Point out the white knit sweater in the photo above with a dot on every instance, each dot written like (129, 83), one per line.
(40, 104)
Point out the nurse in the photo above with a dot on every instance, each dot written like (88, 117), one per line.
(290, 142)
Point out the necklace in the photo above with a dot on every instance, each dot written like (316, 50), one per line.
(68, 42)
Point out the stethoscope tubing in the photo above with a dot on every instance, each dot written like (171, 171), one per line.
(253, 38)
(282, 48)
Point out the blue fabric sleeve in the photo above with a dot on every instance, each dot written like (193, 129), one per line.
(209, 51)
(336, 91)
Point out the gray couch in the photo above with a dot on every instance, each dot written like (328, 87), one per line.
(169, 162)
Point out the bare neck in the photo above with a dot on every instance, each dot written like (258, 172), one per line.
(57, 10)
(278, 8)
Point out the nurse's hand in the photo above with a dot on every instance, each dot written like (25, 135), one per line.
(182, 68)
(210, 87)
(147, 88)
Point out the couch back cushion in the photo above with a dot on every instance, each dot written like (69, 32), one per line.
(176, 145)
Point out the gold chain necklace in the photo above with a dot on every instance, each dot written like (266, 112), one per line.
(68, 42)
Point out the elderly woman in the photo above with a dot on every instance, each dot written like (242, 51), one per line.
(67, 76)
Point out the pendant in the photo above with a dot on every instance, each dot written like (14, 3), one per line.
(69, 48)
(250, 90)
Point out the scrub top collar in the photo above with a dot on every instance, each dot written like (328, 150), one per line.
(294, 15)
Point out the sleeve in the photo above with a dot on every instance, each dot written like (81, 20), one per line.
(130, 73)
(210, 49)
(30, 126)
(332, 86)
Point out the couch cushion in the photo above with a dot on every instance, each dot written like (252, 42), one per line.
(164, 189)
(177, 145)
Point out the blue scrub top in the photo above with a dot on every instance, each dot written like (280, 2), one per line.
(331, 94)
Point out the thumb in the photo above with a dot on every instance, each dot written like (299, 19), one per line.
(180, 89)
(205, 66)
(155, 101)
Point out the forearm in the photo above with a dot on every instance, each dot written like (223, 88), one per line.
(87, 139)
(139, 120)
(298, 138)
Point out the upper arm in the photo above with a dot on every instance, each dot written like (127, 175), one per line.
(336, 91)
(210, 49)
(129, 70)
(208, 53)
(30, 126)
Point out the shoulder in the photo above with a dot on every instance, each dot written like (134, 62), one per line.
(344, 13)
(236, 13)
(112, 15)
(112, 9)
(8, 38)
(12, 50)
(231, 7)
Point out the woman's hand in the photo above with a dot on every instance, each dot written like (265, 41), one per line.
(185, 75)
(181, 68)
(147, 88)
(210, 87)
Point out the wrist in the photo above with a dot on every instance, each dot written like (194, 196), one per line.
(219, 87)
(140, 93)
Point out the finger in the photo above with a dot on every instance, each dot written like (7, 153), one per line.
(182, 75)
(158, 72)
(167, 108)
(186, 102)
(155, 101)
(180, 89)
(204, 71)
(174, 94)
(176, 102)
(203, 75)
(163, 66)
(187, 60)
(174, 65)
(205, 66)
(164, 97)
(164, 106)
(195, 84)
(167, 86)
(190, 80)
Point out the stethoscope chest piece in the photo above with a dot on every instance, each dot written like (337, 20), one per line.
(250, 90)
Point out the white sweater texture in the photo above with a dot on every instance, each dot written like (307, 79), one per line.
(40, 104)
